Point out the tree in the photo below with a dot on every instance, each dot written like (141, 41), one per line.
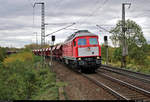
(133, 34)
(134, 38)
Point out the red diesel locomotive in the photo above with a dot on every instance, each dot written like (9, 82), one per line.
(81, 50)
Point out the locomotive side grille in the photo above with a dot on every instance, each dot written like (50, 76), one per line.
(88, 51)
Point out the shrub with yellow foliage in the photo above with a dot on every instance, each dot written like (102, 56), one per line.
(20, 57)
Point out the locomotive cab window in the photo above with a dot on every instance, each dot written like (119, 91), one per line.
(93, 41)
(82, 41)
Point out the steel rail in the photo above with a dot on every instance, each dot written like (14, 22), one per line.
(126, 74)
(140, 90)
(141, 74)
(113, 92)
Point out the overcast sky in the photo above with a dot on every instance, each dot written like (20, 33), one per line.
(17, 25)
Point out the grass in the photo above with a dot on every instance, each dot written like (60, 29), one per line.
(49, 94)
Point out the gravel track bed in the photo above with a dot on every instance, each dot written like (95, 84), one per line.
(79, 87)
(127, 92)
(124, 78)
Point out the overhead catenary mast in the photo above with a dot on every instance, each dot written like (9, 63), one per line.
(42, 27)
(42, 21)
(124, 43)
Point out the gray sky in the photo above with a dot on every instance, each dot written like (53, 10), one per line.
(17, 26)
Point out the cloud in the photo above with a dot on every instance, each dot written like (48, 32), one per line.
(16, 18)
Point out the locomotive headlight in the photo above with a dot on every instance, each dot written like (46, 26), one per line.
(79, 59)
(98, 57)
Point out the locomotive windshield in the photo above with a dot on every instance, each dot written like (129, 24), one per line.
(93, 41)
(82, 41)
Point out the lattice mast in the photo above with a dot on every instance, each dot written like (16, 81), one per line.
(42, 21)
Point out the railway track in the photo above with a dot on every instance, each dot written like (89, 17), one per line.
(121, 90)
(126, 78)
(118, 88)
(136, 75)
(110, 90)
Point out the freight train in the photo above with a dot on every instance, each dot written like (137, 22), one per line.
(81, 50)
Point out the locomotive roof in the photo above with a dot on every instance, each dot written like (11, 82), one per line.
(79, 34)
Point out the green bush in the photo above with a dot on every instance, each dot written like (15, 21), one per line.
(117, 54)
(2, 54)
(20, 79)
